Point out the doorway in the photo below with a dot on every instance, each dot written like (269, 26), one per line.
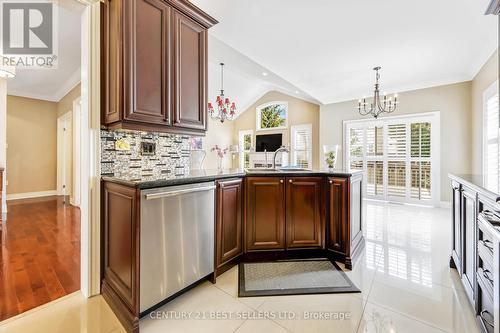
(42, 235)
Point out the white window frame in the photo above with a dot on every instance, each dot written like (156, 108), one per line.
(487, 94)
(241, 135)
(293, 132)
(258, 116)
(431, 117)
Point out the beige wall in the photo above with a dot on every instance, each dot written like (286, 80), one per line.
(482, 81)
(222, 135)
(452, 101)
(32, 142)
(299, 112)
(32, 145)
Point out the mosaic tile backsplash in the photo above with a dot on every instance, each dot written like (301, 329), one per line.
(170, 159)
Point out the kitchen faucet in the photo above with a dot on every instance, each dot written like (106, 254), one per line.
(281, 149)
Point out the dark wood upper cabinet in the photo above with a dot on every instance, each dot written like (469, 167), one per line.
(154, 63)
(190, 73)
(337, 232)
(265, 213)
(229, 241)
(147, 45)
(303, 212)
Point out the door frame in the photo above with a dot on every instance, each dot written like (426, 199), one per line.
(90, 149)
(63, 123)
(434, 118)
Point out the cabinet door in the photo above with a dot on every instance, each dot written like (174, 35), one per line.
(303, 212)
(337, 228)
(469, 240)
(147, 50)
(456, 228)
(229, 217)
(265, 213)
(190, 73)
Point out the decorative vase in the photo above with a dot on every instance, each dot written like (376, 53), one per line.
(220, 158)
(330, 154)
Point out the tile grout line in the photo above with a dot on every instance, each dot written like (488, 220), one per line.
(365, 301)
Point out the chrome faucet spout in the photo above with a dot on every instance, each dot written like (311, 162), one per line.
(281, 149)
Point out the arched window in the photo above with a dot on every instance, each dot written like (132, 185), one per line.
(273, 115)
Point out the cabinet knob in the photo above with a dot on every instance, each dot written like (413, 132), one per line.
(281, 181)
(331, 181)
(290, 181)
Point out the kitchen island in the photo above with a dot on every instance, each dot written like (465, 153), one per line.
(153, 227)
(475, 250)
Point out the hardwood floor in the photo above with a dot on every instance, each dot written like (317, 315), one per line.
(40, 254)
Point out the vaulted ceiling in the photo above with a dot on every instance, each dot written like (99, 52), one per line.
(326, 49)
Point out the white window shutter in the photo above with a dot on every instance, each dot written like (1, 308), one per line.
(302, 145)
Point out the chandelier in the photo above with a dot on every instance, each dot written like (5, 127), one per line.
(225, 110)
(378, 106)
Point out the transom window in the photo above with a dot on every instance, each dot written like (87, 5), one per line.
(272, 115)
(399, 156)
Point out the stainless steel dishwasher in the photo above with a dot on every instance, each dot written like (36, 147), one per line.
(177, 239)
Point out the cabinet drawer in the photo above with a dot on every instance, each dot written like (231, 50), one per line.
(485, 309)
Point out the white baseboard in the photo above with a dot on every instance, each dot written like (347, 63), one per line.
(445, 204)
(28, 195)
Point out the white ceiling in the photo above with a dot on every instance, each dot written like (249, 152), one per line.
(53, 84)
(244, 81)
(327, 48)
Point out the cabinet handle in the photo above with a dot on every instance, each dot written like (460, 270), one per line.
(484, 319)
(290, 181)
(486, 275)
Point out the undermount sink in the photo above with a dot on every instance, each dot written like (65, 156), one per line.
(285, 169)
(293, 169)
(260, 170)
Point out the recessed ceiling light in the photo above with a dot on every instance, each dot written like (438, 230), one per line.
(264, 74)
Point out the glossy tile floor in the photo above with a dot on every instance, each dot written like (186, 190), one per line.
(404, 277)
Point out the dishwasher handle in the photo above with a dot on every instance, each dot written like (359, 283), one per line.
(167, 194)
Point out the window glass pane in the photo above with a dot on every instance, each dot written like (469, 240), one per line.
(420, 140)
(396, 137)
(396, 186)
(356, 142)
(374, 141)
(420, 180)
(273, 115)
(247, 142)
(375, 177)
(246, 157)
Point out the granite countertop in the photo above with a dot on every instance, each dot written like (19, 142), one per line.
(477, 183)
(198, 176)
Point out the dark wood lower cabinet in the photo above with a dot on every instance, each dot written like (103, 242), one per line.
(344, 225)
(265, 213)
(303, 212)
(257, 218)
(229, 227)
(120, 286)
